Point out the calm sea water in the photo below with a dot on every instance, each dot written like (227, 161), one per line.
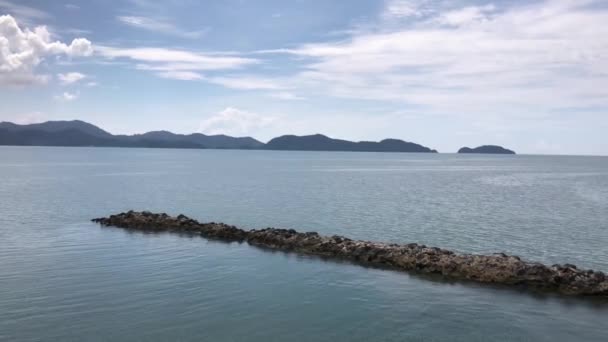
(64, 278)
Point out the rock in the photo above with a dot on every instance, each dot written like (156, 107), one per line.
(498, 268)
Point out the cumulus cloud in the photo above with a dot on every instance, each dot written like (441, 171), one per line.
(22, 50)
(70, 77)
(161, 26)
(233, 121)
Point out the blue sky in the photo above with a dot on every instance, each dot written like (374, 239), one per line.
(529, 75)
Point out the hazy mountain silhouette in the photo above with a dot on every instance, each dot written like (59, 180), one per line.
(80, 133)
(57, 126)
(208, 141)
(489, 149)
(319, 142)
(75, 137)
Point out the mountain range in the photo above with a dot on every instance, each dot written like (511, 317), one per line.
(319, 142)
(80, 133)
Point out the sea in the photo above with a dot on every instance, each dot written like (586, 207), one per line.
(64, 278)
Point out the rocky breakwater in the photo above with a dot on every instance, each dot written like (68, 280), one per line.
(498, 268)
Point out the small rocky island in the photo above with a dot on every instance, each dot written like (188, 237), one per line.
(497, 268)
(487, 149)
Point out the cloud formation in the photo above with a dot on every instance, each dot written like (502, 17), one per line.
(398, 9)
(538, 57)
(70, 78)
(286, 95)
(246, 82)
(236, 122)
(180, 75)
(161, 26)
(66, 97)
(21, 51)
(21, 11)
(174, 63)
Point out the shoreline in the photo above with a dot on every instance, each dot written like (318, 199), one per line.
(490, 269)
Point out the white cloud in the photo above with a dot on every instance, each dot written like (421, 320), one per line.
(76, 31)
(71, 7)
(285, 95)
(532, 58)
(188, 72)
(70, 77)
(29, 118)
(163, 55)
(92, 84)
(22, 12)
(397, 9)
(186, 65)
(175, 64)
(21, 51)
(161, 26)
(466, 15)
(181, 75)
(236, 122)
(246, 82)
(181, 64)
(66, 97)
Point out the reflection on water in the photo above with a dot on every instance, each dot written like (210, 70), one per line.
(64, 278)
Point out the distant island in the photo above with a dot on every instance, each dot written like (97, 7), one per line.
(486, 149)
(319, 142)
(80, 133)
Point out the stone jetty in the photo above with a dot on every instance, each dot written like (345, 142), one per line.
(497, 268)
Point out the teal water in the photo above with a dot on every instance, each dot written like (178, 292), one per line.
(63, 278)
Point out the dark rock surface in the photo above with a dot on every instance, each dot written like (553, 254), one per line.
(498, 268)
(487, 149)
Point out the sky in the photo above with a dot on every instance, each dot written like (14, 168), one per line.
(528, 75)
